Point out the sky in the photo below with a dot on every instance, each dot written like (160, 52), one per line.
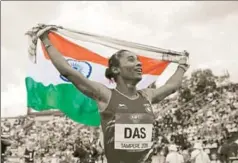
(207, 30)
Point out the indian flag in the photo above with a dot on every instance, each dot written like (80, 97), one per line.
(47, 89)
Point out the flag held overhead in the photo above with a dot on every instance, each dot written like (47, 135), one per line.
(88, 54)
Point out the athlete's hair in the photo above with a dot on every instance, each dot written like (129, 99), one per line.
(114, 61)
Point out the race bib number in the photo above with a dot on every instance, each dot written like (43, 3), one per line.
(134, 135)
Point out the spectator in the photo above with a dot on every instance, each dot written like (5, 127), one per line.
(29, 153)
(174, 156)
(214, 158)
(198, 155)
(4, 144)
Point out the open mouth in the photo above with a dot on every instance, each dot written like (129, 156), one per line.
(139, 70)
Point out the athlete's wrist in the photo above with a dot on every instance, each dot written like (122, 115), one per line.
(46, 42)
(183, 67)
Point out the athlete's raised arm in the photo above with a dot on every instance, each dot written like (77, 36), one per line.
(171, 86)
(95, 90)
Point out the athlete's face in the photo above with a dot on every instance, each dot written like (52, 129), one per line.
(130, 67)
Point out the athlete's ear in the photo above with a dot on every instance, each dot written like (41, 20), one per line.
(115, 70)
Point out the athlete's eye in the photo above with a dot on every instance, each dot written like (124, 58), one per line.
(131, 58)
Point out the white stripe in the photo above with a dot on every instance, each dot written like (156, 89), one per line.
(167, 73)
(46, 73)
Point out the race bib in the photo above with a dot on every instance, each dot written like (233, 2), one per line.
(133, 131)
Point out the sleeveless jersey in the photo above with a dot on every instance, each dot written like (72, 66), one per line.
(127, 127)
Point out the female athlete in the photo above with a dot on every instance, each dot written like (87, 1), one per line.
(126, 113)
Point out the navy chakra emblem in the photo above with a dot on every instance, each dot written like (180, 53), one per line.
(81, 66)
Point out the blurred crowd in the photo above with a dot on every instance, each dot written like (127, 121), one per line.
(205, 111)
(58, 139)
(197, 124)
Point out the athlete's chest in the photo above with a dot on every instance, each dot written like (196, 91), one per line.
(133, 124)
(139, 105)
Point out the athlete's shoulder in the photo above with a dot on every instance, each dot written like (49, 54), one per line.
(104, 105)
(145, 93)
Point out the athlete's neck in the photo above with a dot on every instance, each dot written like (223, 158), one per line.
(127, 88)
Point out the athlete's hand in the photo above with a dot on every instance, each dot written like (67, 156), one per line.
(45, 29)
(184, 61)
(39, 30)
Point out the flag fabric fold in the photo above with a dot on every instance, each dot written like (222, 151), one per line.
(88, 54)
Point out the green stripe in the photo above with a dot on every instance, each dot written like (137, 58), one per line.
(64, 97)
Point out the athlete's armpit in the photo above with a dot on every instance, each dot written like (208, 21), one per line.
(171, 86)
(91, 94)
